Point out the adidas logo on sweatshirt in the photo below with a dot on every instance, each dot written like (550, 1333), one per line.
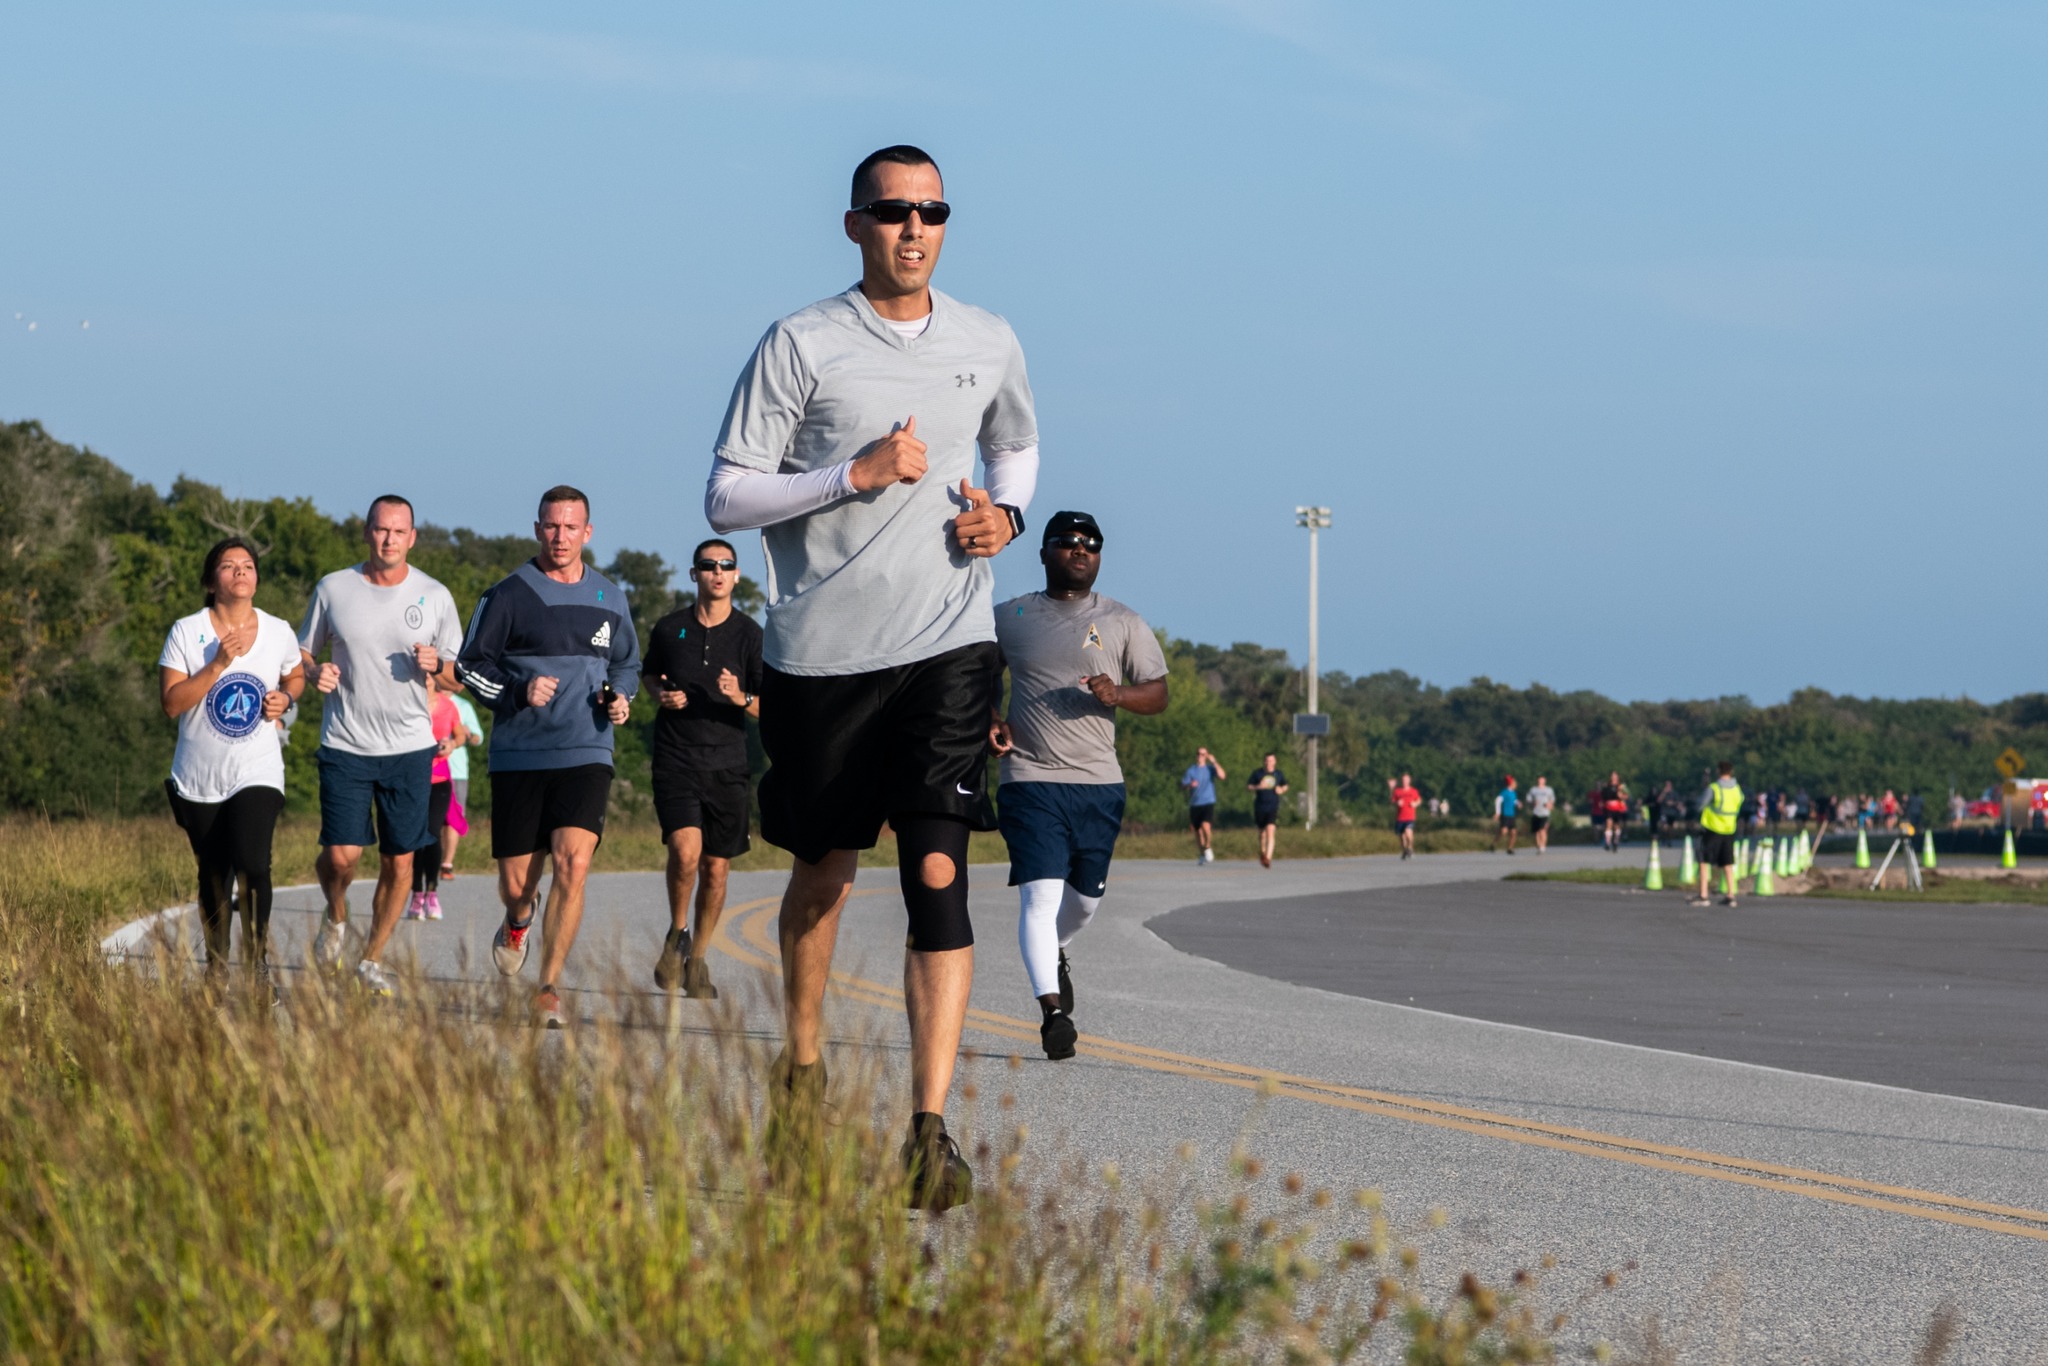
(603, 639)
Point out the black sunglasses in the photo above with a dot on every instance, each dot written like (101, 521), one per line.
(1073, 539)
(934, 212)
(714, 566)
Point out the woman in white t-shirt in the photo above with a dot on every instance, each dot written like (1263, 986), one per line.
(228, 672)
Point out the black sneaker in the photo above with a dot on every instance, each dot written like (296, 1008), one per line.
(939, 1177)
(1058, 1035)
(1066, 985)
(794, 1134)
(675, 951)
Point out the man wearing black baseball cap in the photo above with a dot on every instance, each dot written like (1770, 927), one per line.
(1074, 657)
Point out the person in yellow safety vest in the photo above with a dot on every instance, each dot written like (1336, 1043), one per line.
(1720, 809)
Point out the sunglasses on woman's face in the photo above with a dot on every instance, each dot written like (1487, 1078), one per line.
(1074, 540)
(934, 212)
(717, 566)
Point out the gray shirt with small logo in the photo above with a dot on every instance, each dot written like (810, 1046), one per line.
(1060, 733)
(874, 581)
(380, 705)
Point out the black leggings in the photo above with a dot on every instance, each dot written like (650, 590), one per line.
(232, 839)
(426, 860)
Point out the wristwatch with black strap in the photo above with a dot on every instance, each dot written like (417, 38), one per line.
(1016, 520)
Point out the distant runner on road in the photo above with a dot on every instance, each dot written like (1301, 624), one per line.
(1505, 803)
(1613, 811)
(386, 627)
(1406, 799)
(551, 652)
(1199, 782)
(704, 665)
(1268, 786)
(1542, 801)
(1075, 657)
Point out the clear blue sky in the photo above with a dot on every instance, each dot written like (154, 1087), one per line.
(1664, 350)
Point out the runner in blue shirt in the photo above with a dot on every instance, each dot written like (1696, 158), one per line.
(1199, 782)
(1504, 807)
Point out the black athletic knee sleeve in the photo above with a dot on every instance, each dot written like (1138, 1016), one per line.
(938, 915)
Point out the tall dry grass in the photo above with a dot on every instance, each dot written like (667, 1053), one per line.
(191, 1173)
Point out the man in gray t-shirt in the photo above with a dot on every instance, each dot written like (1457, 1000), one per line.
(850, 439)
(1075, 657)
(1542, 801)
(385, 627)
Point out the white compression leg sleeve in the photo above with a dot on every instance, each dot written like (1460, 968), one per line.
(1038, 920)
(1075, 913)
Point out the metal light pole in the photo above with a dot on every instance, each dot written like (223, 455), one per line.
(1314, 724)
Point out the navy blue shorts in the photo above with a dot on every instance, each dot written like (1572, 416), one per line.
(1062, 830)
(396, 786)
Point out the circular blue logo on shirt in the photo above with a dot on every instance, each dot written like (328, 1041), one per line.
(235, 706)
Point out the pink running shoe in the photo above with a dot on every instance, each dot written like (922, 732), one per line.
(433, 905)
(416, 908)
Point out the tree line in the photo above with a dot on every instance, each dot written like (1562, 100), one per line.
(95, 566)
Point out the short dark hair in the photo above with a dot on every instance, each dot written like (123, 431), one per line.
(397, 498)
(902, 154)
(703, 546)
(564, 493)
(1726, 767)
(211, 566)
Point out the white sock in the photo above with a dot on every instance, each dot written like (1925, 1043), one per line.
(1038, 934)
(1075, 912)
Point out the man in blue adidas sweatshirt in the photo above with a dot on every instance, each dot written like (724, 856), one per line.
(551, 652)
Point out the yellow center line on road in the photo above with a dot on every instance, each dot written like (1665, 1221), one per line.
(754, 921)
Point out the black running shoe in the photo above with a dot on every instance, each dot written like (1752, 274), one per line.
(1066, 985)
(939, 1177)
(1058, 1035)
(675, 951)
(794, 1135)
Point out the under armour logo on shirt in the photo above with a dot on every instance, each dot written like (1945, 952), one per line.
(963, 381)
(603, 639)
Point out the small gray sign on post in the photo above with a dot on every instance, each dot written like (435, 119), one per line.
(1311, 723)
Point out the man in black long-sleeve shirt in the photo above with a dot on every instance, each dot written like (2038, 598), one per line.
(703, 664)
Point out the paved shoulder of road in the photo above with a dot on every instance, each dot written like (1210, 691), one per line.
(1932, 997)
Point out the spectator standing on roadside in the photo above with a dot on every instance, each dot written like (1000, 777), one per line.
(1406, 799)
(1505, 803)
(1268, 786)
(1199, 782)
(704, 664)
(227, 673)
(1888, 807)
(1956, 809)
(458, 773)
(387, 627)
(1542, 801)
(426, 860)
(1720, 808)
(1916, 811)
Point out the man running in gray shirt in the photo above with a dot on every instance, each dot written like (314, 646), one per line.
(1075, 657)
(387, 627)
(851, 438)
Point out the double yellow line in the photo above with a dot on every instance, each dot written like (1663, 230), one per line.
(756, 945)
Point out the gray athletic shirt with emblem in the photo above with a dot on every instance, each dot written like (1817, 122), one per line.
(380, 705)
(874, 580)
(1059, 732)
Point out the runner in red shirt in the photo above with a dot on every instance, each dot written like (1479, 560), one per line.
(1406, 799)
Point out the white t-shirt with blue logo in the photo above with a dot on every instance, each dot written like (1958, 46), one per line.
(224, 744)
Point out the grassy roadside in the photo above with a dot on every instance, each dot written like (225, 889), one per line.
(192, 1175)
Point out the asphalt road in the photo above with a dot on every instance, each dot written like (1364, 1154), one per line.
(1933, 998)
(1775, 1216)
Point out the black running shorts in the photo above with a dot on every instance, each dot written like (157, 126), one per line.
(1202, 815)
(711, 800)
(1537, 823)
(849, 751)
(1716, 851)
(529, 805)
